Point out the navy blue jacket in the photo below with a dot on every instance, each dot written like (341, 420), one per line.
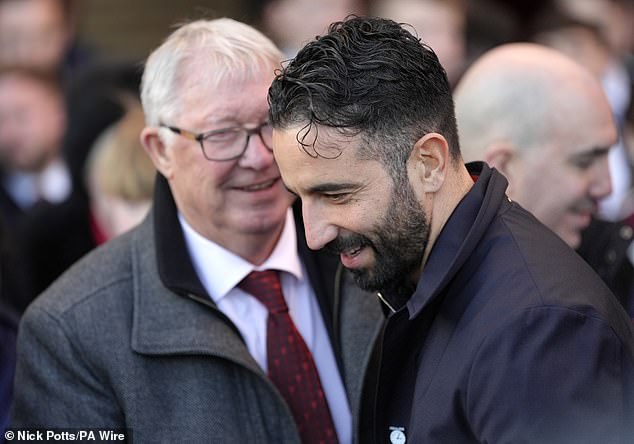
(510, 337)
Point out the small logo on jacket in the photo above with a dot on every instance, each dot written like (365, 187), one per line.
(397, 435)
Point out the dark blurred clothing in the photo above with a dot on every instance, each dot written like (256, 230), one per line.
(15, 286)
(8, 336)
(94, 103)
(604, 246)
(52, 238)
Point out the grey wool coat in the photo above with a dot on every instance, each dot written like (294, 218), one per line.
(128, 339)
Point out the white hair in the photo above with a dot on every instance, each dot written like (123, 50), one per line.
(233, 49)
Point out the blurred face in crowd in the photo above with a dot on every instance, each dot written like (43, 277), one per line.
(32, 122)
(439, 23)
(225, 200)
(562, 181)
(292, 23)
(34, 33)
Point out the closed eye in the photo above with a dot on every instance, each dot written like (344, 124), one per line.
(586, 160)
(584, 163)
(224, 135)
(338, 197)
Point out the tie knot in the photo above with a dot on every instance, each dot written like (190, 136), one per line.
(266, 287)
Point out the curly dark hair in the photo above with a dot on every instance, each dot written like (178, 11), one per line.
(367, 76)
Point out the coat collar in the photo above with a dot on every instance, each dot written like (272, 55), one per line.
(460, 235)
(174, 264)
(164, 323)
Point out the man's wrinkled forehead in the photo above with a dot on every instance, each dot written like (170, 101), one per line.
(318, 141)
(327, 142)
(224, 92)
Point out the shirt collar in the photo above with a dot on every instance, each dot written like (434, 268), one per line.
(208, 257)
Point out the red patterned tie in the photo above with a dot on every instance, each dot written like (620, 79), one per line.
(290, 363)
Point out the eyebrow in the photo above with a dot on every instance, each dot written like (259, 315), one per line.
(236, 120)
(330, 187)
(591, 153)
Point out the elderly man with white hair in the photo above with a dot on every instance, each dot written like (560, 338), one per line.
(211, 321)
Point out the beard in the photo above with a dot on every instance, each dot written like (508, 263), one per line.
(399, 240)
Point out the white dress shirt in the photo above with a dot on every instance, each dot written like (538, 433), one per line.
(53, 185)
(220, 271)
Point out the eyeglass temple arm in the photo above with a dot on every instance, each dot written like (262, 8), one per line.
(184, 133)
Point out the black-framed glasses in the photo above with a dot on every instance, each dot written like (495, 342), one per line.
(227, 143)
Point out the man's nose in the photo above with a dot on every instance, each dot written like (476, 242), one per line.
(601, 183)
(257, 155)
(319, 232)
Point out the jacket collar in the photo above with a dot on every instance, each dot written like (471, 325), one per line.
(176, 269)
(164, 323)
(460, 235)
(174, 264)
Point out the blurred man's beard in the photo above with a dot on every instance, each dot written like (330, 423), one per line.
(398, 240)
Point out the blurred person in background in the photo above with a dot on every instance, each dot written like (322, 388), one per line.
(44, 141)
(169, 329)
(54, 236)
(41, 34)
(598, 34)
(439, 23)
(613, 23)
(33, 172)
(292, 23)
(545, 123)
(32, 125)
(120, 176)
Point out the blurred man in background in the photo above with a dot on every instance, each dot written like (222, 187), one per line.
(292, 23)
(544, 122)
(439, 23)
(32, 125)
(41, 34)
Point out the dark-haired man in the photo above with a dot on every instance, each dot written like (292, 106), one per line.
(499, 331)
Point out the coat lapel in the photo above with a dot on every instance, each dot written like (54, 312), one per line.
(169, 321)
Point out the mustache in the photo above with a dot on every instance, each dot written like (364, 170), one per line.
(348, 242)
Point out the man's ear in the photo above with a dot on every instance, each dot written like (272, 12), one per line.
(429, 161)
(504, 157)
(499, 155)
(156, 149)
